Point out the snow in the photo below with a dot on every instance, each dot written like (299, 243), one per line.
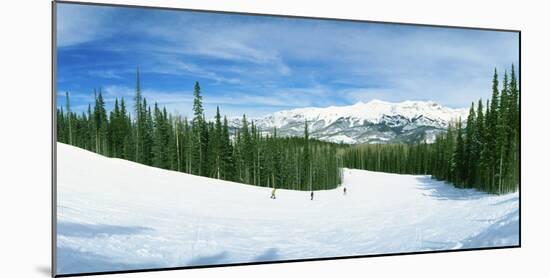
(373, 111)
(115, 215)
(355, 122)
(431, 136)
(340, 138)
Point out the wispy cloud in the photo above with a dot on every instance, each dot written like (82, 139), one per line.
(170, 65)
(109, 74)
(259, 64)
(77, 24)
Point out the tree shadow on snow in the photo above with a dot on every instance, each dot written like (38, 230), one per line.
(72, 229)
(513, 199)
(270, 254)
(430, 245)
(208, 260)
(72, 261)
(445, 191)
(503, 232)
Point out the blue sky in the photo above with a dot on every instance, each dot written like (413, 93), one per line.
(259, 64)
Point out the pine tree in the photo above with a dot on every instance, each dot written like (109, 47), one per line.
(479, 142)
(188, 147)
(245, 150)
(198, 127)
(492, 122)
(513, 140)
(470, 152)
(179, 154)
(115, 131)
(458, 158)
(158, 142)
(60, 125)
(129, 144)
(140, 120)
(147, 134)
(69, 116)
(100, 120)
(90, 127)
(217, 144)
(448, 150)
(228, 162)
(306, 164)
(502, 134)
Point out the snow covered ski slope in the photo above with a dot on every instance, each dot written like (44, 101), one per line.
(116, 215)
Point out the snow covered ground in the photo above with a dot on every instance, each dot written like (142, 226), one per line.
(116, 215)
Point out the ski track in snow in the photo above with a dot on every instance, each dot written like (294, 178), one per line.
(117, 215)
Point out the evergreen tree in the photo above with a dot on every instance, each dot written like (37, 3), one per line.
(100, 120)
(502, 134)
(69, 123)
(513, 139)
(492, 122)
(306, 164)
(478, 146)
(147, 135)
(246, 152)
(199, 131)
(188, 146)
(228, 162)
(217, 145)
(114, 133)
(458, 158)
(140, 121)
(124, 129)
(470, 152)
(90, 125)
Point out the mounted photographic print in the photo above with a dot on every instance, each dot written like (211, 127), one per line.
(188, 138)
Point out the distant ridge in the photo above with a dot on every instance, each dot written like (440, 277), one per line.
(375, 121)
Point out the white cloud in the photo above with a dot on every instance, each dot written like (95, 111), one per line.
(290, 62)
(171, 65)
(109, 74)
(77, 24)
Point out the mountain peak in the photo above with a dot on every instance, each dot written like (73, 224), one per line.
(375, 101)
(373, 121)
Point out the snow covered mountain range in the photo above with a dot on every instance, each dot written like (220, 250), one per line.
(373, 122)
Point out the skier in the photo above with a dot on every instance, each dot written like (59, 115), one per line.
(345, 190)
(273, 194)
(312, 195)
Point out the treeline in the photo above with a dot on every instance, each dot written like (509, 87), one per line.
(206, 148)
(483, 154)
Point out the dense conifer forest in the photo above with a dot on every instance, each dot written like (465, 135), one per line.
(152, 136)
(481, 153)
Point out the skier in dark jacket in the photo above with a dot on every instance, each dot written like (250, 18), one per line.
(345, 191)
(312, 195)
